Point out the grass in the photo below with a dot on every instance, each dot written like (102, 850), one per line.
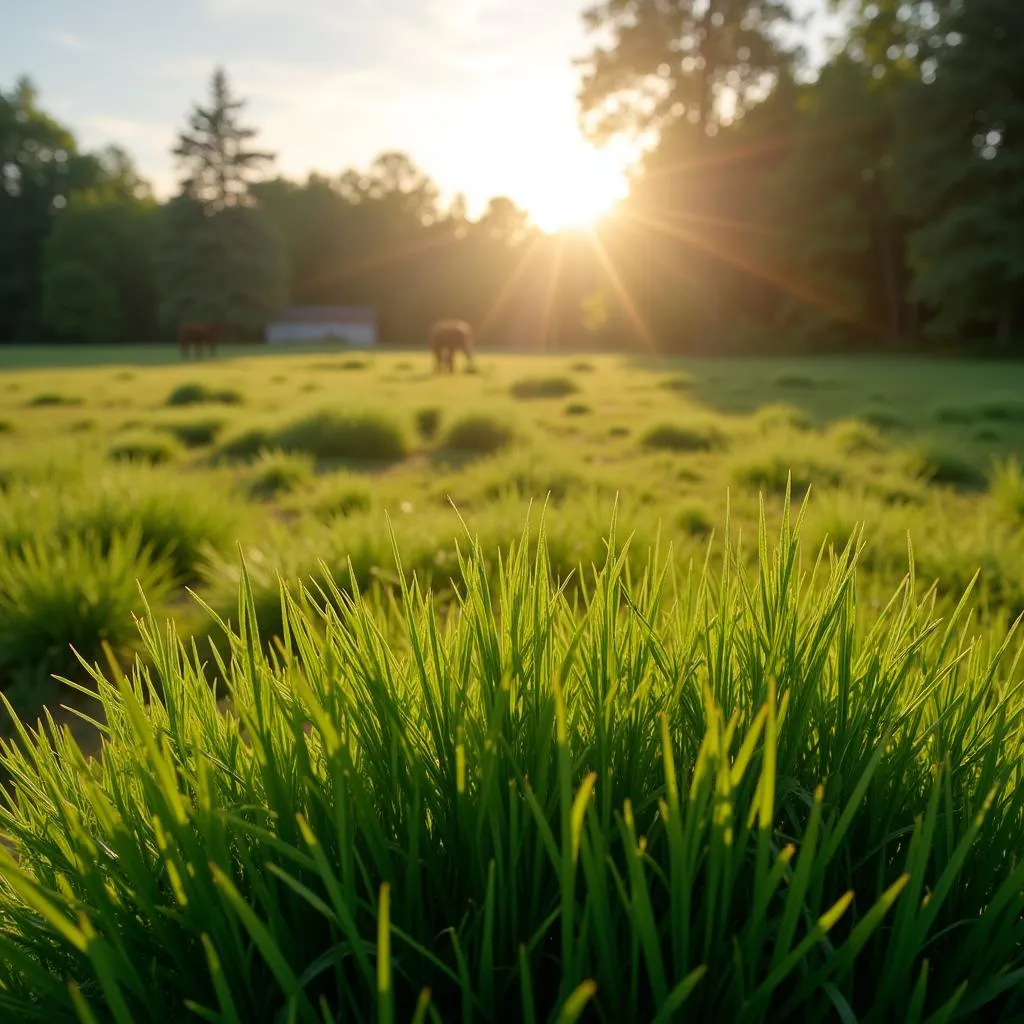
(198, 394)
(275, 473)
(587, 773)
(578, 409)
(195, 433)
(544, 806)
(478, 434)
(369, 436)
(427, 422)
(677, 437)
(543, 387)
(151, 448)
(61, 599)
(52, 398)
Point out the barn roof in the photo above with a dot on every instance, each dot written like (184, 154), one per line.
(328, 315)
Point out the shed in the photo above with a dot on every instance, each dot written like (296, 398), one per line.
(352, 325)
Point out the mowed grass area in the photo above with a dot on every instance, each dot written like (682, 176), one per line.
(640, 753)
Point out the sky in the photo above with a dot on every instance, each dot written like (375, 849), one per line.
(480, 93)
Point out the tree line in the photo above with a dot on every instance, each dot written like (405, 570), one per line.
(877, 204)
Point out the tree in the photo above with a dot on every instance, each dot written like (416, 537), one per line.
(111, 233)
(220, 257)
(703, 61)
(229, 268)
(218, 164)
(960, 170)
(79, 303)
(39, 167)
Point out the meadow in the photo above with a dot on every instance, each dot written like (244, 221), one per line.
(548, 686)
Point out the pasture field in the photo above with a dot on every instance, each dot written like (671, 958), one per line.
(667, 745)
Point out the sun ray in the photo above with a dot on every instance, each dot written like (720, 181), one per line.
(795, 288)
(505, 292)
(646, 336)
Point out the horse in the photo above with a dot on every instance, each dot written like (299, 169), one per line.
(448, 337)
(195, 336)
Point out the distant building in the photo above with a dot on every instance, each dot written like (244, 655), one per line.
(352, 325)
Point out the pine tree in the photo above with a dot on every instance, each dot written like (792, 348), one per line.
(213, 151)
(220, 257)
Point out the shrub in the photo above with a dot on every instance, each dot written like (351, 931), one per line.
(50, 398)
(196, 433)
(478, 434)
(368, 436)
(153, 449)
(427, 423)
(198, 394)
(577, 409)
(75, 592)
(676, 437)
(543, 387)
(819, 811)
(275, 473)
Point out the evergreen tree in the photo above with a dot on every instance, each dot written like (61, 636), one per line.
(218, 165)
(220, 257)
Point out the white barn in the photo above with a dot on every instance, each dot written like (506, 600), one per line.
(352, 325)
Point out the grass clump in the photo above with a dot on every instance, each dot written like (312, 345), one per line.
(62, 595)
(578, 409)
(367, 436)
(53, 398)
(677, 437)
(781, 417)
(543, 387)
(245, 445)
(199, 394)
(775, 468)
(427, 422)
(760, 773)
(275, 473)
(478, 434)
(195, 433)
(582, 366)
(7, 427)
(152, 449)
(339, 495)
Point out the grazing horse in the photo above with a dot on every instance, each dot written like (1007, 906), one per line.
(448, 337)
(195, 336)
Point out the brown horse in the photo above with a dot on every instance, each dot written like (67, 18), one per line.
(448, 337)
(195, 336)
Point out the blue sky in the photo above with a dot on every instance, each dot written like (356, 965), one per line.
(481, 93)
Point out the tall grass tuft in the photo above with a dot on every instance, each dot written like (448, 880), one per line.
(58, 597)
(735, 795)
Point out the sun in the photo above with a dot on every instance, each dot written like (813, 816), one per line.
(578, 194)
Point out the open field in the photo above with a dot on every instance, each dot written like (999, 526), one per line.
(583, 783)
